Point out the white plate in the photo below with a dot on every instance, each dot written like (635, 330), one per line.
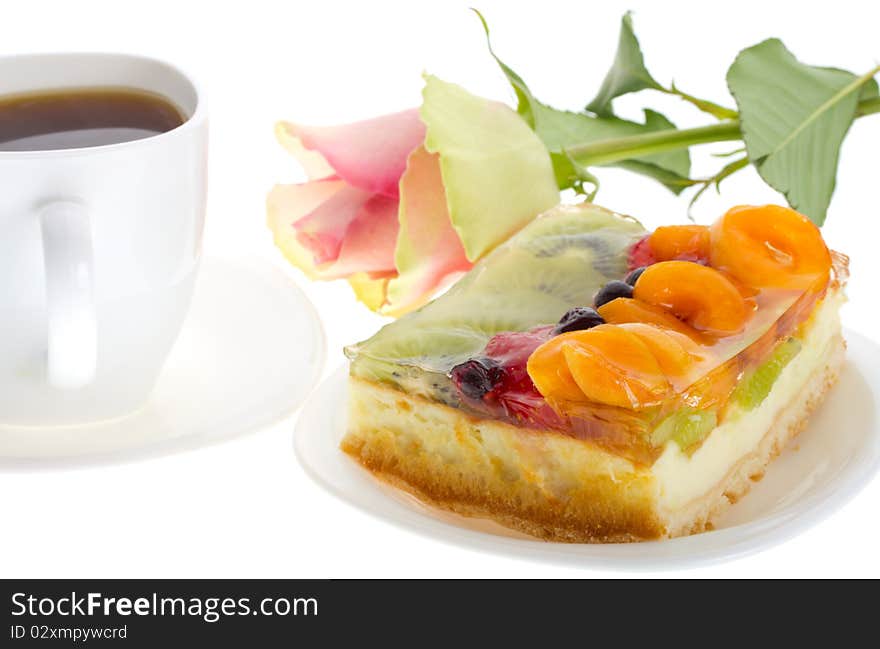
(821, 470)
(250, 350)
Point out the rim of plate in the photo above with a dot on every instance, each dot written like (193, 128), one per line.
(715, 546)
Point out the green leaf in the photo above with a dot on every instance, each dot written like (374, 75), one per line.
(794, 118)
(729, 154)
(496, 172)
(869, 99)
(524, 99)
(869, 91)
(627, 74)
(709, 107)
(672, 168)
(560, 129)
(571, 174)
(672, 181)
(726, 171)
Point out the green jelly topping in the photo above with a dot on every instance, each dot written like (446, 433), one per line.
(688, 427)
(557, 261)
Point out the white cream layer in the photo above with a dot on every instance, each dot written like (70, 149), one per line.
(682, 479)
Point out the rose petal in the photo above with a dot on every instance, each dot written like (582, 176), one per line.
(331, 230)
(497, 172)
(322, 230)
(370, 155)
(369, 242)
(314, 164)
(285, 205)
(370, 291)
(429, 250)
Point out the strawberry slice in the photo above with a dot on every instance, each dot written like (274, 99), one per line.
(497, 383)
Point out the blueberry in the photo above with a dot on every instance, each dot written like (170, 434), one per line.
(578, 319)
(612, 291)
(634, 275)
(477, 377)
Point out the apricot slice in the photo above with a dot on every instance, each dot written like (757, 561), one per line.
(613, 366)
(770, 246)
(549, 371)
(676, 354)
(627, 309)
(607, 364)
(699, 295)
(687, 242)
(745, 290)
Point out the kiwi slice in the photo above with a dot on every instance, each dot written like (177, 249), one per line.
(687, 427)
(556, 262)
(756, 385)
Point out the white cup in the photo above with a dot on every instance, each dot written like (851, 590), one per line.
(99, 249)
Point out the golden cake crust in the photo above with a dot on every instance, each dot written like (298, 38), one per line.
(541, 482)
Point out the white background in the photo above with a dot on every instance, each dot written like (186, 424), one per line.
(244, 508)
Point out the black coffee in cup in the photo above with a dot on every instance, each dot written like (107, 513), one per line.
(83, 117)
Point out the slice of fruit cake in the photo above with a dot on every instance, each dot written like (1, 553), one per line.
(591, 382)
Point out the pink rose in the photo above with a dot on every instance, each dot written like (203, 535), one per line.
(402, 204)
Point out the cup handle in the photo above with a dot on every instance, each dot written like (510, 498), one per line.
(70, 295)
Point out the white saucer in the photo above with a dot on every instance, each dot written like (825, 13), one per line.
(251, 349)
(825, 466)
